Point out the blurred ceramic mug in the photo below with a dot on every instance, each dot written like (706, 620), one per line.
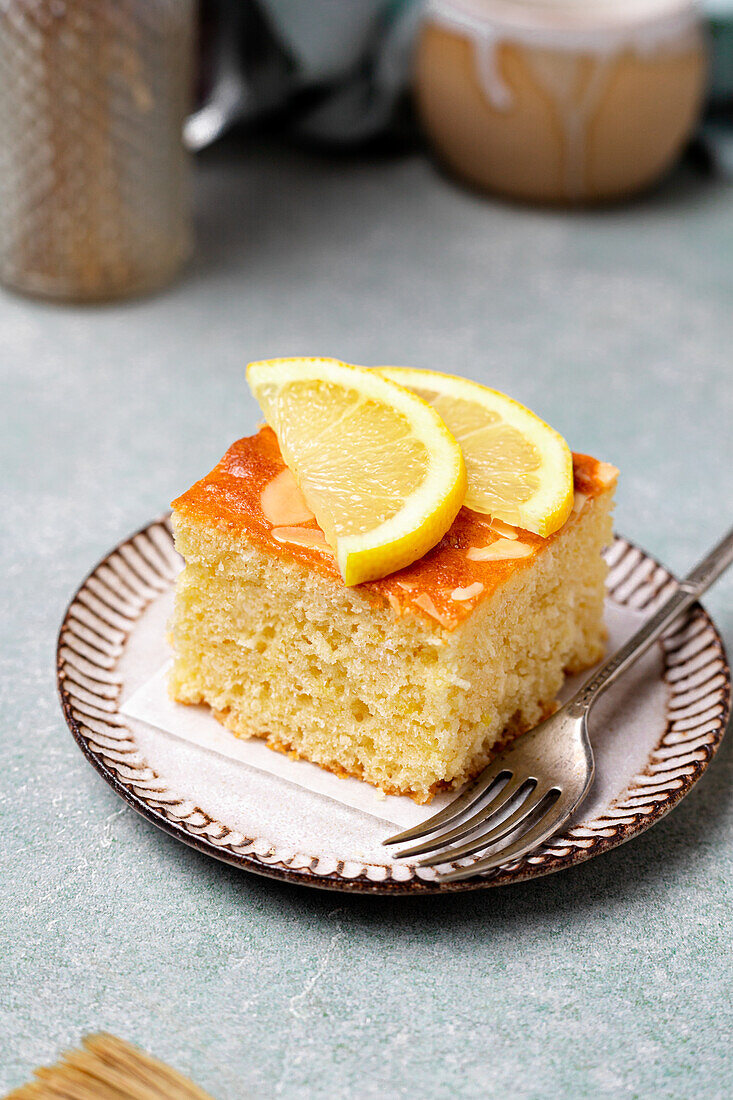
(560, 100)
(94, 182)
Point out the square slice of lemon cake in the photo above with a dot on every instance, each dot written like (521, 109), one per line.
(408, 682)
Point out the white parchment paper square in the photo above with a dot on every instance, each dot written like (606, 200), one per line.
(152, 705)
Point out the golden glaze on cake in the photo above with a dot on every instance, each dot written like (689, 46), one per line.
(445, 585)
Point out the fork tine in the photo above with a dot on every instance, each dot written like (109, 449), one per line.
(484, 781)
(523, 844)
(509, 791)
(533, 805)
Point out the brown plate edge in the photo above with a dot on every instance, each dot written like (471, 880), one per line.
(336, 882)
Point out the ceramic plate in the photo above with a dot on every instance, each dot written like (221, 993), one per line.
(654, 733)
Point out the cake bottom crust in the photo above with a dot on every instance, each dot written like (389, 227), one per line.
(514, 730)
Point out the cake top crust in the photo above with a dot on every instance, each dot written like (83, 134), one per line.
(251, 495)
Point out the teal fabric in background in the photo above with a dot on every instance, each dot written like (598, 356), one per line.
(719, 14)
(609, 982)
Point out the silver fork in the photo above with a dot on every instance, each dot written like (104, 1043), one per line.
(540, 780)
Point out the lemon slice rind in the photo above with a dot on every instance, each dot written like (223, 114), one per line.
(429, 510)
(549, 507)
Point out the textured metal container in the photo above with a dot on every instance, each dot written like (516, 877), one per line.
(94, 198)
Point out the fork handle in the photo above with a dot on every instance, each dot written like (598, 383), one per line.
(688, 591)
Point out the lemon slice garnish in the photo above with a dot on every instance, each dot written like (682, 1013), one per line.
(520, 470)
(376, 464)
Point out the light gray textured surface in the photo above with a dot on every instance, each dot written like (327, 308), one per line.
(612, 980)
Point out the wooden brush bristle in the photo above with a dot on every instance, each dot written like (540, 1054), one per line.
(107, 1068)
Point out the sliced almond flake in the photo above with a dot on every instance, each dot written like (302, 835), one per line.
(394, 603)
(578, 501)
(501, 550)
(504, 529)
(301, 536)
(606, 474)
(282, 502)
(474, 589)
(424, 601)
